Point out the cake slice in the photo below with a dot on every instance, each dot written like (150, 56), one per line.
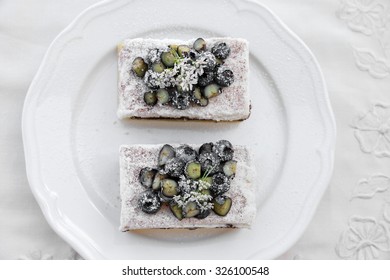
(203, 79)
(212, 188)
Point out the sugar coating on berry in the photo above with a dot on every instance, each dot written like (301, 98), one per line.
(186, 153)
(206, 79)
(209, 162)
(224, 150)
(154, 55)
(221, 50)
(149, 202)
(224, 76)
(180, 100)
(174, 167)
(208, 61)
(220, 185)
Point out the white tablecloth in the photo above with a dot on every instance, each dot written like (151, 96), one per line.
(351, 40)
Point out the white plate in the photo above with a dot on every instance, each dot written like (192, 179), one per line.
(71, 133)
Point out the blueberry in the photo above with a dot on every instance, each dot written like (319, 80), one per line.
(203, 102)
(139, 67)
(212, 90)
(173, 47)
(149, 202)
(196, 95)
(169, 188)
(186, 153)
(206, 78)
(222, 205)
(209, 61)
(221, 50)
(166, 153)
(206, 148)
(156, 185)
(209, 162)
(192, 170)
(174, 167)
(176, 210)
(203, 214)
(183, 50)
(168, 58)
(146, 176)
(224, 76)
(191, 209)
(180, 100)
(224, 150)
(229, 168)
(150, 98)
(158, 67)
(163, 96)
(199, 45)
(193, 54)
(220, 184)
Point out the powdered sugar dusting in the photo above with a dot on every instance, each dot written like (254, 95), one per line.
(134, 157)
(232, 104)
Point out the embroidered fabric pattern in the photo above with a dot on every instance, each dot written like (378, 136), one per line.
(372, 130)
(372, 19)
(367, 237)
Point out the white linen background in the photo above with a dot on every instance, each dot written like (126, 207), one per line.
(351, 40)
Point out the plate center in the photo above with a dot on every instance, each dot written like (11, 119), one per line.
(97, 133)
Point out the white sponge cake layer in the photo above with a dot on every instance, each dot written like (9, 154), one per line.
(135, 157)
(232, 105)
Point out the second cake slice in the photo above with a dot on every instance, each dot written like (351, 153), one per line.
(174, 79)
(186, 186)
